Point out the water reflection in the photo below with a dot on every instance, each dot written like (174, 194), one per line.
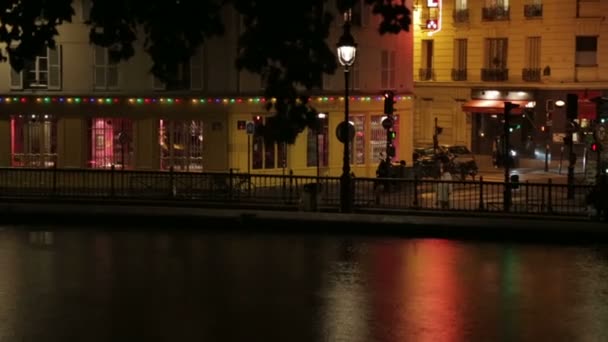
(161, 286)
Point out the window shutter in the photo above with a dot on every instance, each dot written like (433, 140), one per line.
(54, 68)
(100, 67)
(112, 76)
(196, 70)
(16, 80)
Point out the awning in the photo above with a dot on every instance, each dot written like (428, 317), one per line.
(492, 106)
(587, 109)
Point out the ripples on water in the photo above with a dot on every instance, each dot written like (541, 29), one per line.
(160, 286)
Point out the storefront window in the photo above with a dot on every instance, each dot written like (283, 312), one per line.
(265, 156)
(181, 145)
(33, 141)
(378, 137)
(317, 144)
(358, 143)
(110, 143)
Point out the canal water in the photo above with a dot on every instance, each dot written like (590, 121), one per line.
(108, 285)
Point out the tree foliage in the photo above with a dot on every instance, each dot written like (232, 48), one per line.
(27, 27)
(283, 41)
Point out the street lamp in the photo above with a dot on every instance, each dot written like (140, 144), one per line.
(347, 50)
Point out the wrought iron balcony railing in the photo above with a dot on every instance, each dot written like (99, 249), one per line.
(489, 75)
(459, 74)
(426, 74)
(530, 74)
(533, 11)
(461, 15)
(495, 13)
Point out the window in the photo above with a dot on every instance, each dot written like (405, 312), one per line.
(426, 63)
(460, 60)
(387, 66)
(354, 76)
(326, 81)
(533, 52)
(85, 10)
(359, 15)
(496, 53)
(586, 50)
(110, 143)
(33, 141)
(460, 5)
(265, 156)
(106, 71)
(43, 72)
(531, 71)
(317, 145)
(378, 137)
(185, 76)
(181, 145)
(357, 145)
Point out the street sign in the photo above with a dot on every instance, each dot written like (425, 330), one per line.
(250, 127)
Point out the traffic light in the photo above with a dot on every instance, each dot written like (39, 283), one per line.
(390, 146)
(258, 125)
(571, 106)
(389, 103)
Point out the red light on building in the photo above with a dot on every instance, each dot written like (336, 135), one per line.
(432, 24)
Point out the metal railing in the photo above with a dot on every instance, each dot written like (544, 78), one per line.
(495, 13)
(533, 10)
(494, 74)
(461, 15)
(240, 189)
(530, 74)
(459, 74)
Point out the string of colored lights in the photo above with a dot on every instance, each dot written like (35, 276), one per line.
(177, 100)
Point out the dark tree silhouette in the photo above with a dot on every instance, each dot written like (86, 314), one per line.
(283, 41)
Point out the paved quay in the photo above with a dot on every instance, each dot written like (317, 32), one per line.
(133, 217)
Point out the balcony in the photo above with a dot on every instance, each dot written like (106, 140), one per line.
(495, 13)
(426, 74)
(459, 74)
(530, 75)
(490, 75)
(461, 15)
(533, 11)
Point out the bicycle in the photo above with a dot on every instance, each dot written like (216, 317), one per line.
(234, 184)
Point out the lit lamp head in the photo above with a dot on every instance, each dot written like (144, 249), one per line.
(560, 103)
(347, 48)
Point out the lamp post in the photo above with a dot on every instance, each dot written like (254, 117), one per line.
(507, 153)
(568, 140)
(347, 49)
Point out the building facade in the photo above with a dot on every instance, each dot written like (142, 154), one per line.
(71, 107)
(470, 56)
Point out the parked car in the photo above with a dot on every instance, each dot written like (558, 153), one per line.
(427, 160)
(463, 162)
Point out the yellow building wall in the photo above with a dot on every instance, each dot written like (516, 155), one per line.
(5, 142)
(558, 28)
(297, 153)
(146, 144)
(71, 142)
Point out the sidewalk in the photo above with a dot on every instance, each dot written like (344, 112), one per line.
(498, 226)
